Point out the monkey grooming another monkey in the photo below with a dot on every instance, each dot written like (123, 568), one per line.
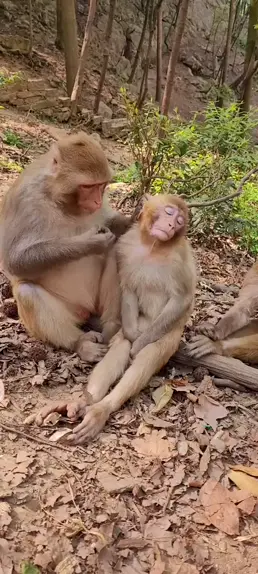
(236, 334)
(56, 233)
(158, 280)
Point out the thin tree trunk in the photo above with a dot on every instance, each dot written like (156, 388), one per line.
(224, 70)
(77, 88)
(144, 82)
(112, 7)
(139, 49)
(159, 54)
(250, 54)
(59, 41)
(70, 43)
(174, 56)
(31, 27)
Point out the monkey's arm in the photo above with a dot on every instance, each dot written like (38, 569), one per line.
(130, 314)
(236, 318)
(34, 256)
(172, 312)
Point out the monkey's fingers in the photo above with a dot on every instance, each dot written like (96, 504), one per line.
(91, 425)
(200, 346)
(208, 330)
(76, 409)
(94, 337)
(38, 418)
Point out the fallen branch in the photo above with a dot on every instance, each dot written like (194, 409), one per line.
(222, 367)
(229, 196)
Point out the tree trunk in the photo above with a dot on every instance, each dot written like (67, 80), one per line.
(31, 27)
(112, 7)
(59, 41)
(77, 88)
(159, 55)
(139, 49)
(250, 54)
(224, 71)
(174, 56)
(144, 82)
(69, 37)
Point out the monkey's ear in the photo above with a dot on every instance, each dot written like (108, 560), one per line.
(55, 159)
(139, 207)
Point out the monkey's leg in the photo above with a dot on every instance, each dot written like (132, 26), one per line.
(110, 299)
(148, 362)
(47, 318)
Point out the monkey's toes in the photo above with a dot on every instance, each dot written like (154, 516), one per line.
(200, 346)
(208, 330)
(94, 337)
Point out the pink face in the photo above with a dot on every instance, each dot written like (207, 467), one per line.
(90, 196)
(168, 222)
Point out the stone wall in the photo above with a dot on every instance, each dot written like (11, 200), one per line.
(33, 95)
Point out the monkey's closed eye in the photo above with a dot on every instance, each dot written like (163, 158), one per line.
(169, 210)
(180, 220)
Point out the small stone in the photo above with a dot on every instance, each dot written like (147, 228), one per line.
(199, 374)
(97, 121)
(64, 101)
(105, 111)
(64, 115)
(35, 84)
(37, 352)
(114, 128)
(86, 114)
(10, 309)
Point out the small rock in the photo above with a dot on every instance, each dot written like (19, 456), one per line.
(87, 114)
(114, 128)
(64, 115)
(35, 85)
(7, 291)
(37, 352)
(64, 101)
(97, 121)
(199, 373)
(105, 111)
(10, 309)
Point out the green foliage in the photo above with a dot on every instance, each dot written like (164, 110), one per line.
(13, 139)
(8, 165)
(29, 568)
(129, 175)
(202, 160)
(7, 79)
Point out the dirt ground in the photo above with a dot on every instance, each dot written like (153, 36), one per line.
(152, 493)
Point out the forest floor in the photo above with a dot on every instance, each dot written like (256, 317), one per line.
(151, 494)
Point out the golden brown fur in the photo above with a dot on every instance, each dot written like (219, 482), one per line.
(236, 334)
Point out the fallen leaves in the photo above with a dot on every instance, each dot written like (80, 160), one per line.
(112, 484)
(246, 478)
(5, 518)
(209, 411)
(219, 508)
(161, 397)
(154, 445)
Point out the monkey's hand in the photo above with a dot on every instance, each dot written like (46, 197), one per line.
(138, 345)
(200, 346)
(99, 240)
(131, 333)
(208, 330)
(93, 422)
(73, 410)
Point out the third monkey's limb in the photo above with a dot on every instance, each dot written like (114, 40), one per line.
(148, 362)
(242, 345)
(47, 318)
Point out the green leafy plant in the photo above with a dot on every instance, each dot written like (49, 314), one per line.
(13, 139)
(203, 160)
(7, 78)
(29, 568)
(8, 165)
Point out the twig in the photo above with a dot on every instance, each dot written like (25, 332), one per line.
(227, 197)
(30, 437)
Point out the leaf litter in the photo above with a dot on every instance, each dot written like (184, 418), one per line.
(153, 493)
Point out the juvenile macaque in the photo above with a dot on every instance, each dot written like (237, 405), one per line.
(158, 279)
(56, 233)
(236, 334)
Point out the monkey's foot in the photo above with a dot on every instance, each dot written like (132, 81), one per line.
(93, 422)
(89, 351)
(73, 410)
(200, 346)
(93, 336)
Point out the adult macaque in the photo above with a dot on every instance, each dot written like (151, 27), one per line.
(236, 334)
(158, 278)
(56, 232)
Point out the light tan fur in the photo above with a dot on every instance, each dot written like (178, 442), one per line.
(158, 281)
(56, 254)
(236, 334)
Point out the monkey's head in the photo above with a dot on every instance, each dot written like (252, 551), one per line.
(80, 172)
(164, 217)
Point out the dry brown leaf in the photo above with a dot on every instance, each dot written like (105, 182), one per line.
(244, 481)
(161, 397)
(6, 565)
(59, 434)
(156, 422)
(67, 566)
(5, 518)
(176, 566)
(159, 566)
(248, 505)
(209, 411)
(2, 392)
(219, 508)
(153, 446)
(247, 469)
(204, 461)
(116, 485)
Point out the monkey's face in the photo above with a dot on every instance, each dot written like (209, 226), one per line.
(90, 196)
(167, 222)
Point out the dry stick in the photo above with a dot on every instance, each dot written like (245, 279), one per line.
(33, 438)
(222, 367)
(227, 197)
